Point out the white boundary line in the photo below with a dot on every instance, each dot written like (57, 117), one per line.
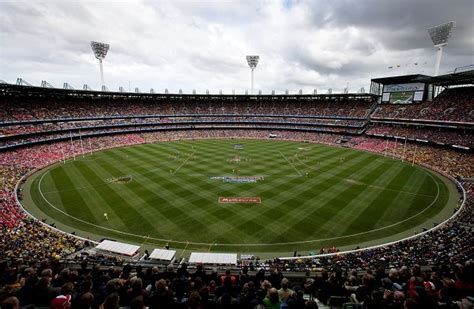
(41, 222)
(399, 240)
(283, 258)
(242, 245)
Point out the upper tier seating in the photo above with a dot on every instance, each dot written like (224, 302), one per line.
(456, 104)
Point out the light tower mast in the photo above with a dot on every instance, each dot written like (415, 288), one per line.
(440, 35)
(252, 61)
(100, 51)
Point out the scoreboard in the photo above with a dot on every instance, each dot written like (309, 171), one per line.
(403, 93)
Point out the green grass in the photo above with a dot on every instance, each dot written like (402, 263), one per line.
(311, 198)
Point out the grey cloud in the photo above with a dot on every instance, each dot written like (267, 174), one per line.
(202, 44)
(399, 24)
(400, 14)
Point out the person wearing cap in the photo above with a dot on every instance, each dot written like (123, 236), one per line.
(61, 302)
(64, 299)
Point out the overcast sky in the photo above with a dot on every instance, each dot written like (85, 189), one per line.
(303, 44)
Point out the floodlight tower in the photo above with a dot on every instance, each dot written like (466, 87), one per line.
(100, 51)
(252, 61)
(440, 35)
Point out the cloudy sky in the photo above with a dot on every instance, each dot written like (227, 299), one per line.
(303, 44)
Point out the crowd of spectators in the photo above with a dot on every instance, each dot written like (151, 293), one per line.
(28, 238)
(449, 244)
(325, 138)
(14, 164)
(456, 104)
(459, 137)
(31, 250)
(23, 128)
(452, 162)
(179, 125)
(32, 241)
(453, 105)
(34, 109)
(48, 284)
(19, 111)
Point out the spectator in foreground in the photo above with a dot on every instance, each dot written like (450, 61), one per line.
(284, 292)
(10, 303)
(272, 300)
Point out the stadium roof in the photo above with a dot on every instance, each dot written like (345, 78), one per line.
(33, 91)
(455, 78)
(403, 79)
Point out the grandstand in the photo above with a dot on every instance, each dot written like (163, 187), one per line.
(38, 126)
(289, 154)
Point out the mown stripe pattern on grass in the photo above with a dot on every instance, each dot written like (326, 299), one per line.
(311, 194)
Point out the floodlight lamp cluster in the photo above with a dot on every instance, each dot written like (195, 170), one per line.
(100, 49)
(252, 61)
(441, 33)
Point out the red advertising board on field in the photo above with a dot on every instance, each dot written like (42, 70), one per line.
(240, 200)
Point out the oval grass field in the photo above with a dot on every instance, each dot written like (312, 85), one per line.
(240, 195)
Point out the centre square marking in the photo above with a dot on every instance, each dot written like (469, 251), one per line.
(240, 200)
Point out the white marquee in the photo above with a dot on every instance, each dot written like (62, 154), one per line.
(162, 254)
(213, 258)
(118, 247)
